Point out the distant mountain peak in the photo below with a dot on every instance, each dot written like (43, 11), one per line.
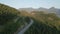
(52, 8)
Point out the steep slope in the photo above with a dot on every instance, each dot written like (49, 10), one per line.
(44, 24)
(11, 19)
(8, 16)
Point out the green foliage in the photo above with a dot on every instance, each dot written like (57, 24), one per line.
(27, 19)
(11, 28)
(7, 13)
(44, 23)
(8, 16)
(11, 19)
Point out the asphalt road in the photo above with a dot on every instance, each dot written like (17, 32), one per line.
(26, 27)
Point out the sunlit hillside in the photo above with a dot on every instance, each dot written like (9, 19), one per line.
(12, 21)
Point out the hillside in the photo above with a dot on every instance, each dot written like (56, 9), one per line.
(8, 19)
(11, 19)
(44, 23)
(50, 10)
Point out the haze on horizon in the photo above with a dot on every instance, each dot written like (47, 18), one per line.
(32, 3)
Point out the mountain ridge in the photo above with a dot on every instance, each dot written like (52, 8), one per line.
(50, 10)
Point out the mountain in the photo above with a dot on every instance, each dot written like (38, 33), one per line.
(26, 9)
(50, 10)
(32, 9)
(12, 20)
(44, 23)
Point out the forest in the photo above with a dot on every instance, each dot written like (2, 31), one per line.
(44, 23)
(10, 19)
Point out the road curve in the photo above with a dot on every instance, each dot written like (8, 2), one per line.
(26, 27)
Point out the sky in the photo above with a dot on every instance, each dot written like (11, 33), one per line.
(32, 3)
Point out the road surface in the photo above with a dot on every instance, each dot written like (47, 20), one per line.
(26, 27)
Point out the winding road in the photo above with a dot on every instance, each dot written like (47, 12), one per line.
(26, 27)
